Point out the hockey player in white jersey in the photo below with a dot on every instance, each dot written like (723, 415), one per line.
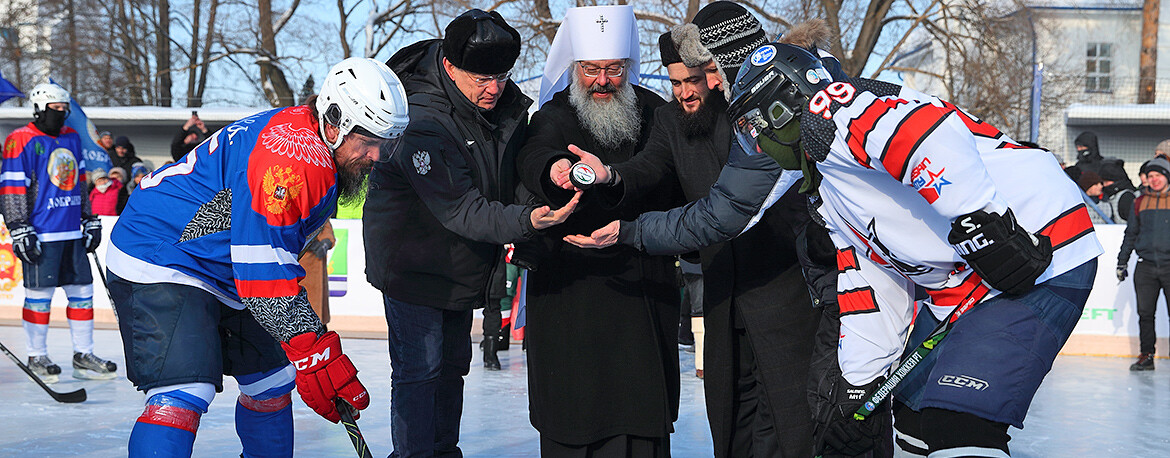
(918, 194)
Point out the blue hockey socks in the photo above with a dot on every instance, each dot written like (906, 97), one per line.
(264, 420)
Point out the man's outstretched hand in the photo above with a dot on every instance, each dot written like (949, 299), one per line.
(545, 217)
(559, 172)
(604, 236)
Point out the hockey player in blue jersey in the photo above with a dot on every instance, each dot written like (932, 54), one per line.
(918, 194)
(204, 272)
(46, 208)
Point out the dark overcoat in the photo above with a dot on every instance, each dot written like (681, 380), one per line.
(602, 325)
(756, 275)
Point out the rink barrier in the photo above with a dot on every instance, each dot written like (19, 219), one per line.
(1108, 325)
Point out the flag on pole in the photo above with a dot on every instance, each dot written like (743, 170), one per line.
(8, 90)
(94, 155)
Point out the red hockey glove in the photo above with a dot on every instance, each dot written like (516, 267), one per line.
(324, 373)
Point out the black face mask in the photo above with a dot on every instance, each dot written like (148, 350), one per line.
(50, 121)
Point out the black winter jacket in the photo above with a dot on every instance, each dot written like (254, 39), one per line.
(438, 210)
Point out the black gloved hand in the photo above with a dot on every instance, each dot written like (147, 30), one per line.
(1122, 272)
(845, 435)
(93, 234)
(1004, 254)
(319, 247)
(24, 242)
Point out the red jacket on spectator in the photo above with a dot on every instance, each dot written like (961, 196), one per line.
(105, 203)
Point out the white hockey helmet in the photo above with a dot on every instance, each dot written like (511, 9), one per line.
(362, 94)
(46, 93)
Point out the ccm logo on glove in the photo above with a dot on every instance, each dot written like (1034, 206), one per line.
(311, 361)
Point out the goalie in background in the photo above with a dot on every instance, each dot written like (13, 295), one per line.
(916, 192)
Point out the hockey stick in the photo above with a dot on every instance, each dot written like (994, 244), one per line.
(105, 284)
(355, 434)
(883, 391)
(70, 397)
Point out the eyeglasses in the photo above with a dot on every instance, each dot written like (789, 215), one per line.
(612, 71)
(484, 80)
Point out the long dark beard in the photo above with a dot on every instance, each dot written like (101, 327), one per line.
(700, 123)
(611, 122)
(351, 180)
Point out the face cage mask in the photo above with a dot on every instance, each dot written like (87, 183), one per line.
(749, 126)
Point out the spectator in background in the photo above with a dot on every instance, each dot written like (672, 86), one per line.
(1117, 193)
(103, 197)
(1090, 183)
(1163, 149)
(119, 174)
(123, 156)
(188, 137)
(1074, 173)
(1144, 185)
(315, 261)
(137, 172)
(106, 140)
(1148, 234)
(1089, 156)
(495, 328)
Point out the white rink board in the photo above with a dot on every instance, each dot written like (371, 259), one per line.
(354, 296)
(1109, 312)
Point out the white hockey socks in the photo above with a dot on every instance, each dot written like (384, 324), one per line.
(36, 319)
(79, 311)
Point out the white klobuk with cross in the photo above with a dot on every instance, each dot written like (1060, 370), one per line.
(591, 33)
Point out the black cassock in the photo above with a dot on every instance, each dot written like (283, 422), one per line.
(602, 325)
(754, 295)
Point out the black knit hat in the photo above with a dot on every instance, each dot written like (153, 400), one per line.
(481, 42)
(1114, 171)
(668, 50)
(730, 32)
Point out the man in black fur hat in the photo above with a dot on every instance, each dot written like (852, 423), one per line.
(438, 214)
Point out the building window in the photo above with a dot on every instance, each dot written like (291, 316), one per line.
(1098, 67)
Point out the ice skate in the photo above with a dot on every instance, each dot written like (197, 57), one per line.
(44, 368)
(87, 366)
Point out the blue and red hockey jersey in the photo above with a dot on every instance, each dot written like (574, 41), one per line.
(42, 182)
(233, 215)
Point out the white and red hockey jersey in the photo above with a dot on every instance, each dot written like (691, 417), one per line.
(900, 167)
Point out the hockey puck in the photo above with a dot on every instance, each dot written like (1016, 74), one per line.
(582, 176)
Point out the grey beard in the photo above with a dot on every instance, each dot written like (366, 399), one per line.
(611, 122)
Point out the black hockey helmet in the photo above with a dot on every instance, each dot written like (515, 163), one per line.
(772, 89)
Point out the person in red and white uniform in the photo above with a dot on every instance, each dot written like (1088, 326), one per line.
(919, 195)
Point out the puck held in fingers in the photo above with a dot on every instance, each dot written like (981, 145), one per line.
(582, 176)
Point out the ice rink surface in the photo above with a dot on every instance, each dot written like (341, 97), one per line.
(1087, 407)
